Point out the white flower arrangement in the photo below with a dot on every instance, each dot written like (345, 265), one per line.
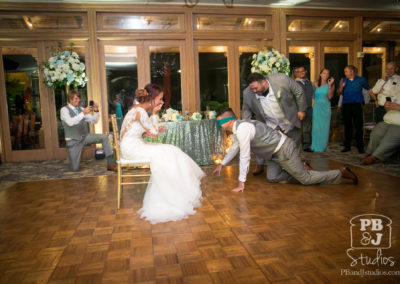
(212, 114)
(270, 61)
(64, 68)
(172, 115)
(196, 116)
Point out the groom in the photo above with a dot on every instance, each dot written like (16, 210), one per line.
(270, 144)
(279, 102)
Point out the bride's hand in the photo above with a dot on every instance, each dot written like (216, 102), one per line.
(217, 170)
(157, 108)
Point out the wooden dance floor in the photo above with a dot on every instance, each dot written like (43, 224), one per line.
(69, 231)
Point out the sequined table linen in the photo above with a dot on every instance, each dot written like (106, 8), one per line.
(200, 139)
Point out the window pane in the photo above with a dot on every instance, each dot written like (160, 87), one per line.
(231, 23)
(139, 22)
(372, 64)
(122, 79)
(376, 26)
(43, 21)
(165, 70)
(213, 77)
(23, 98)
(301, 56)
(317, 25)
(61, 99)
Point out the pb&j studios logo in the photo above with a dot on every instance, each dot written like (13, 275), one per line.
(370, 233)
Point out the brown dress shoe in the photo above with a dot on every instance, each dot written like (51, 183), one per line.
(307, 165)
(347, 173)
(259, 170)
(112, 167)
(369, 160)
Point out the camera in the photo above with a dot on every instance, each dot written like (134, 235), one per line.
(91, 103)
(388, 99)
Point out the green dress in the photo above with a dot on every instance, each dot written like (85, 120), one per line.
(321, 119)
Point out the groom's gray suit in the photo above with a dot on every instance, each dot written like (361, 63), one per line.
(291, 99)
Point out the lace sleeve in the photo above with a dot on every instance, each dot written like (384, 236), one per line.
(149, 123)
(130, 118)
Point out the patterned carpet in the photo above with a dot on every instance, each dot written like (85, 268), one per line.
(11, 173)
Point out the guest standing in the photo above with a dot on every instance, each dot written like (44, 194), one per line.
(351, 89)
(322, 111)
(308, 88)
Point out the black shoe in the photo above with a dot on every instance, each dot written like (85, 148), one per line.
(345, 149)
(349, 174)
(307, 150)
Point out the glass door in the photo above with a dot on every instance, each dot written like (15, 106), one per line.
(374, 64)
(22, 105)
(303, 56)
(213, 76)
(335, 56)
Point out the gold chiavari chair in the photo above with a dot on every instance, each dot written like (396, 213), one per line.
(126, 167)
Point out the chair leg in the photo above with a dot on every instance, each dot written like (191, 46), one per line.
(119, 185)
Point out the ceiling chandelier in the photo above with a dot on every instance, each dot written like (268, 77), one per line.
(192, 3)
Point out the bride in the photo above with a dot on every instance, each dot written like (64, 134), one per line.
(174, 187)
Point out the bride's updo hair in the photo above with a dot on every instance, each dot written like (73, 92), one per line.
(149, 93)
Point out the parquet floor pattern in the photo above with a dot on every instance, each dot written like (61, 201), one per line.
(69, 231)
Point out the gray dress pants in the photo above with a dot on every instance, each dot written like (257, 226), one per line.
(288, 158)
(74, 148)
(275, 173)
(384, 141)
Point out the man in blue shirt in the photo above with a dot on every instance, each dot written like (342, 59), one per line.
(351, 89)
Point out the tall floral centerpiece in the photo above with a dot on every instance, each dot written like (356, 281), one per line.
(270, 61)
(64, 69)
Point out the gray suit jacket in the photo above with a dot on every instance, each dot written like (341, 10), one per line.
(289, 94)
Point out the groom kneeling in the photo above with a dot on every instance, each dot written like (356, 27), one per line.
(270, 144)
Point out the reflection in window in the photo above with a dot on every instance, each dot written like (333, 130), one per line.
(213, 77)
(231, 23)
(23, 98)
(317, 25)
(122, 79)
(245, 59)
(144, 22)
(165, 70)
(61, 100)
(377, 26)
(43, 21)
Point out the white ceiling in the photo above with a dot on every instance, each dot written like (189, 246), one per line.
(334, 4)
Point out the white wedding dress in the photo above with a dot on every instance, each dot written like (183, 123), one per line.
(174, 187)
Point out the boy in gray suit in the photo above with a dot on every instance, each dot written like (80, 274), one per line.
(270, 144)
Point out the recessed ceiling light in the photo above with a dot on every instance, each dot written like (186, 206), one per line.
(379, 29)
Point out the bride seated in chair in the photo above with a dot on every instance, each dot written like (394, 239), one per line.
(174, 187)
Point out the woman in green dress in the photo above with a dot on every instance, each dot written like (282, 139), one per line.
(324, 91)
